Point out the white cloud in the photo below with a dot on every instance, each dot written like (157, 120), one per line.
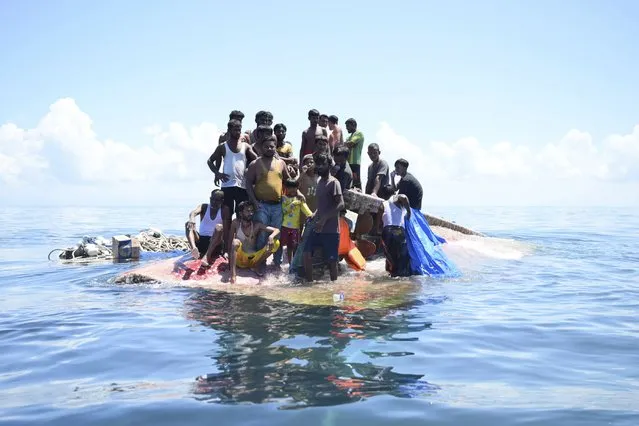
(66, 134)
(63, 149)
(575, 156)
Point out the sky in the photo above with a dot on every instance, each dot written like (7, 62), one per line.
(491, 102)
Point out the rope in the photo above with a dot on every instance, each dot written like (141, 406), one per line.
(151, 240)
(155, 241)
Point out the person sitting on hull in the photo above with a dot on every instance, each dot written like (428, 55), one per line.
(209, 240)
(325, 234)
(395, 212)
(243, 252)
(408, 185)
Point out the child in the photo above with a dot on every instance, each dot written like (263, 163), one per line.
(308, 181)
(292, 209)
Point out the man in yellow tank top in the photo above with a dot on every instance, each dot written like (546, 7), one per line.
(264, 182)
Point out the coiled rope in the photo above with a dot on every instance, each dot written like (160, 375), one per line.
(151, 240)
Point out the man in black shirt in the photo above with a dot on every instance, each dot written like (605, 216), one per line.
(407, 185)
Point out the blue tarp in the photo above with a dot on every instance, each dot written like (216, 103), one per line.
(424, 248)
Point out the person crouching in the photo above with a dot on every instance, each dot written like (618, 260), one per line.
(243, 252)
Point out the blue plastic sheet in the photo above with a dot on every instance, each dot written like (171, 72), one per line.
(424, 248)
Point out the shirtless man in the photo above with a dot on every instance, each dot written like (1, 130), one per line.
(308, 135)
(262, 118)
(243, 252)
(209, 240)
(335, 137)
(323, 125)
(234, 115)
(236, 155)
(262, 132)
(264, 185)
(330, 203)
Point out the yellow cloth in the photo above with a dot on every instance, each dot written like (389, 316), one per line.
(292, 207)
(268, 186)
(246, 260)
(285, 149)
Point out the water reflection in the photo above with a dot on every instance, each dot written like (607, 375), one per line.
(298, 356)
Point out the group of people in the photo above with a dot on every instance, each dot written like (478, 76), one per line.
(267, 194)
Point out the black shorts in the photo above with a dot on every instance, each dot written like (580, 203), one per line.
(233, 196)
(202, 245)
(357, 178)
(329, 243)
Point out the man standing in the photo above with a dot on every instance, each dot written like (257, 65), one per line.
(262, 118)
(284, 148)
(336, 137)
(234, 115)
(408, 185)
(355, 142)
(342, 171)
(308, 135)
(264, 183)
(330, 203)
(236, 155)
(377, 183)
(258, 135)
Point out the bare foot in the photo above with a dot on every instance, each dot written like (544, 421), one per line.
(233, 279)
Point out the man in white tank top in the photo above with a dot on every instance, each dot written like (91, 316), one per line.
(395, 212)
(210, 238)
(236, 155)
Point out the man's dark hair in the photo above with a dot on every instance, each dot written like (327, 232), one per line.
(333, 119)
(313, 112)
(264, 128)
(234, 123)
(341, 150)
(320, 158)
(269, 139)
(215, 192)
(321, 138)
(279, 126)
(401, 162)
(291, 183)
(235, 114)
(374, 146)
(266, 115)
(243, 205)
(324, 116)
(351, 121)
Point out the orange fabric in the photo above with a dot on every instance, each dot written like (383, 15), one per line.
(348, 249)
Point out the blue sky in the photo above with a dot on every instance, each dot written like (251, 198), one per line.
(527, 72)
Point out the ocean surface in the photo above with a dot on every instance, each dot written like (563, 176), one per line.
(542, 329)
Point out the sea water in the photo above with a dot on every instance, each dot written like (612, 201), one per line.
(542, 329)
